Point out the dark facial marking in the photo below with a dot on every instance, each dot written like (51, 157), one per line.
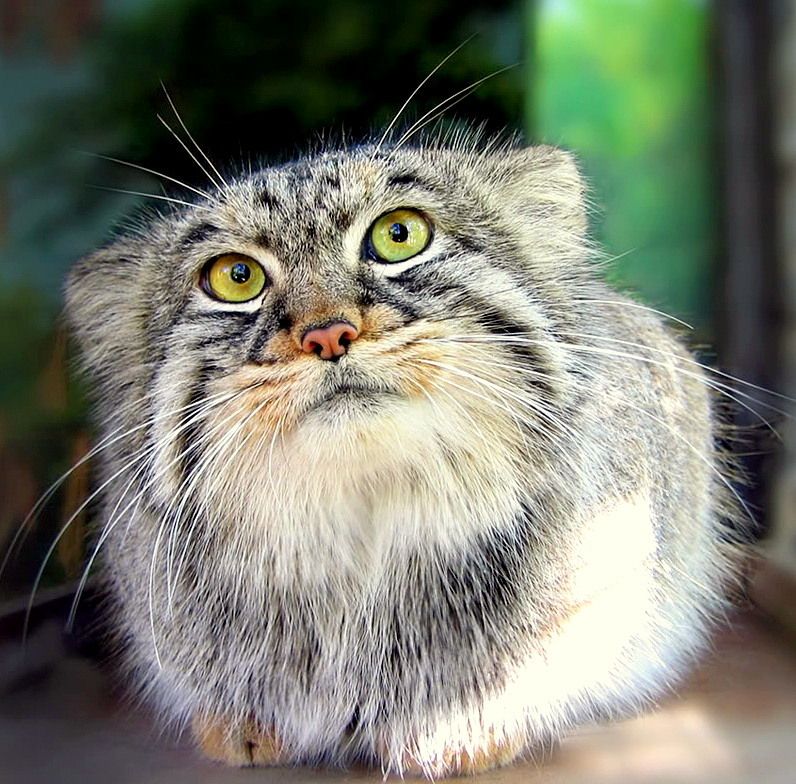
(277, 320)
(267, 199)
(189, 446)
(385, 292)
(469, 243)
(243, 318)
(408, 178)
(342, 219)
(200, 233)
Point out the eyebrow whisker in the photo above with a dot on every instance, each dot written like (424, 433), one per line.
(150, 171)
(141, 193)
(193, 141)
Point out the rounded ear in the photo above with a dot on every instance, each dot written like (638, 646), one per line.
(104, 310)
(544, 180)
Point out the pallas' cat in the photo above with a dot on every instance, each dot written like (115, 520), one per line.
(390, 474)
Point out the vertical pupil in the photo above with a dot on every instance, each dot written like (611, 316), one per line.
(240, 273)
(398, 232)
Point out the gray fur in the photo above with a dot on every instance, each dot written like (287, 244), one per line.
(516, 529)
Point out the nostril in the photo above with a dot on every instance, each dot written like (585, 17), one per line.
(346, 336)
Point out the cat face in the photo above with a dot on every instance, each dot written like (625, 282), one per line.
(198, 330)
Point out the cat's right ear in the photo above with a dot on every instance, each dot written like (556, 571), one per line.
(104, 307)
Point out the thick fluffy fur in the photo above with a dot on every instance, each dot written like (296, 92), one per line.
(495, 517)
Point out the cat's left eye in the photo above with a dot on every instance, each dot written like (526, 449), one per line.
(398, 235)
(234, 277)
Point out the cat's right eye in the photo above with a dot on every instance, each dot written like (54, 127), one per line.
(233, 277)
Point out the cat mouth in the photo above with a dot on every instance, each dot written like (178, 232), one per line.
(353, 396)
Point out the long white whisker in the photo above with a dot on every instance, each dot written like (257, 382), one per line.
(188, 150)
(707, 368)
(440, 388)
(535, 426)
(113, 437)
(539, 409)
(150, 171)
(491, 338)
(190, 136)
(141, 193)
(723, 389)
(532, 405)
(419, 127)
(198, 475)
(164, 526)
(205, 406)
(90, 563)
(718, 387)
(440, 382)
(418, 123)
(415, 92)
(61, 533)
(504, 362)
(702, 457)
(176, 515)
(628, 304)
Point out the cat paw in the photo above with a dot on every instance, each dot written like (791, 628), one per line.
(237, 745)
(454, 760)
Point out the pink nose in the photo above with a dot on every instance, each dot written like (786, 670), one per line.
(330, 341)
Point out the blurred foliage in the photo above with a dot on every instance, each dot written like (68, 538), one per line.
(626, 85)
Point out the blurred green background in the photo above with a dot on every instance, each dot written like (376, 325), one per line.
(626, 84)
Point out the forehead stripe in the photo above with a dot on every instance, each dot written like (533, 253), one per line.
(408, 178)
(267, 199)
(198, 234)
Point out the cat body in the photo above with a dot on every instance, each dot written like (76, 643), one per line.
(490, 513)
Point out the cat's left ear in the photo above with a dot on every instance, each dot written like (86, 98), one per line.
(542, 184)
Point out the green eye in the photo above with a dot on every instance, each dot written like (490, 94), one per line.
(234, 278)
(399, 235)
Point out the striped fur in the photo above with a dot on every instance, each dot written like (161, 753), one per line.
(489, 521)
